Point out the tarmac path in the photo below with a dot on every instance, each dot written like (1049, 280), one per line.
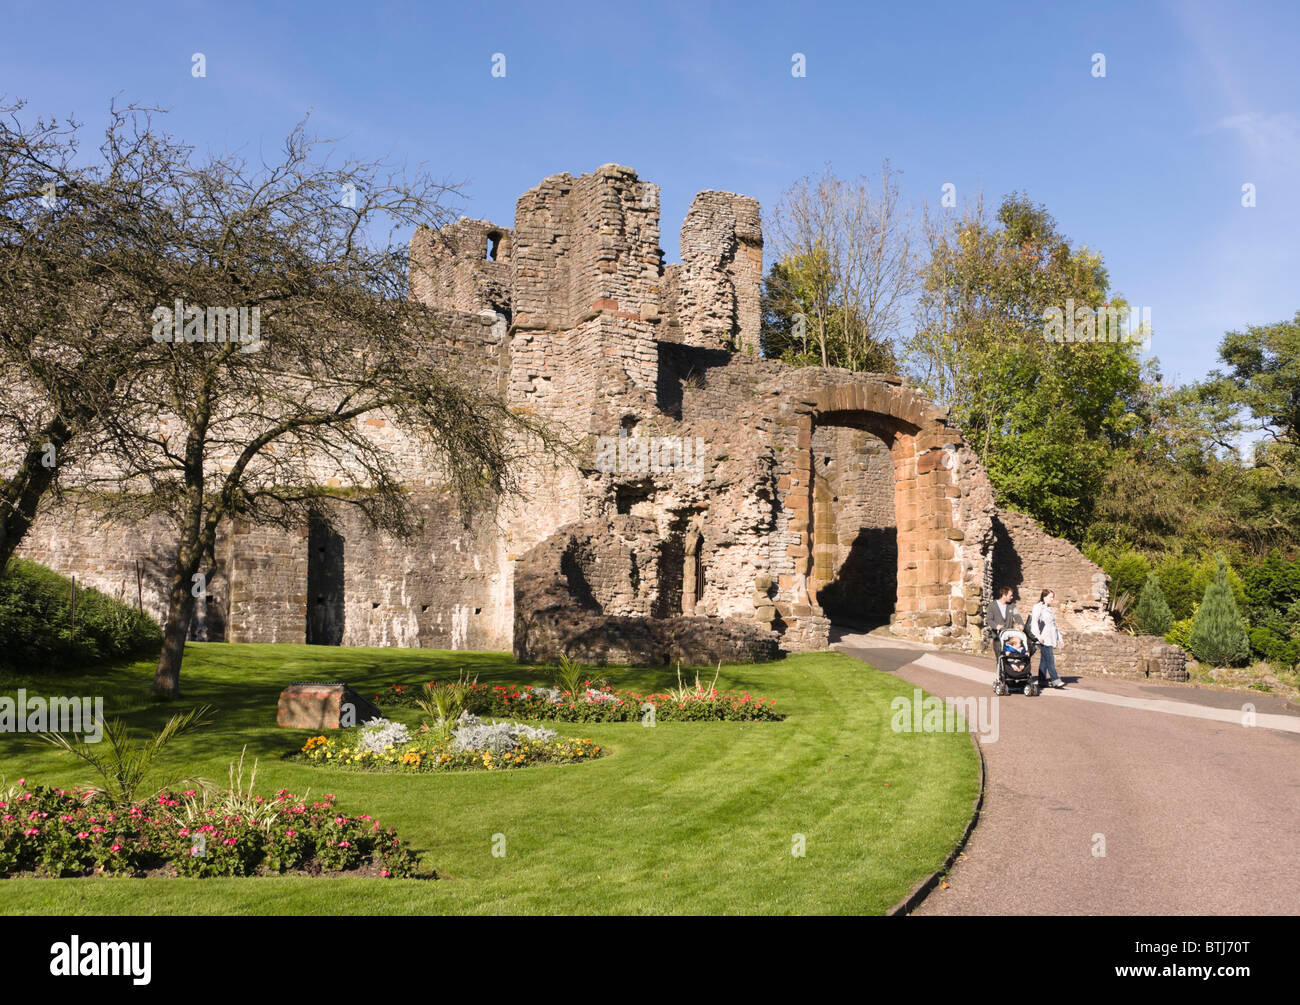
(1196, 813)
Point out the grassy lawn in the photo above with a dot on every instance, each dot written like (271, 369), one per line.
(681, 818)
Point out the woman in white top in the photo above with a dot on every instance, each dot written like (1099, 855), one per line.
(1043, 622)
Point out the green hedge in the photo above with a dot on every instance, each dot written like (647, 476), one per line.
(36, 622)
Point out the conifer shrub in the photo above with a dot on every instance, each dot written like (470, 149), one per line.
(1152, 615)
(1218, 633)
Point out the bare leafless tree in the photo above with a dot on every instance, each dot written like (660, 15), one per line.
(846, 251)
(72, 303)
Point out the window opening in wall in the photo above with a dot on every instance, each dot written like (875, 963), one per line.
(493, 245)
(628, 497)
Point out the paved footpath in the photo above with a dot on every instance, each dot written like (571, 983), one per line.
(1199, 814)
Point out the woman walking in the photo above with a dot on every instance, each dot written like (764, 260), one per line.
(1043, 622)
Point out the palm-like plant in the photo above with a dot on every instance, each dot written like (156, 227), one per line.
(569, 676)
(124, 763)
(443, 703)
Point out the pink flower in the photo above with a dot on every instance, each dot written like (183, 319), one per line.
(290, 833)
(116, 847)
(345, 844)
(83, 835)
(30, 831)
(385, 873)
(229, 841)
(185, 832)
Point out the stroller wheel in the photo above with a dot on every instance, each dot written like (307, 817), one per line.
(999, 687)
(1032, 690)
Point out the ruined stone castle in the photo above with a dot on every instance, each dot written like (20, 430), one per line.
(723, 506)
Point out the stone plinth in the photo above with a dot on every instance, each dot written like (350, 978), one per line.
(323, 706)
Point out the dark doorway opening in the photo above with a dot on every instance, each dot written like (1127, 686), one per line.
(324, 586)
(865, 586)
(853, 525)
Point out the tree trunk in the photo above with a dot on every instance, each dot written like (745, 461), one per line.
(23, 492)
(180, 608)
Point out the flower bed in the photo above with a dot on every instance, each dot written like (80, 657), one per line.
(600, 704)
(53, 832)
(473, 746)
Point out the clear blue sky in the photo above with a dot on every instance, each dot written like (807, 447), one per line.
(1144, 165)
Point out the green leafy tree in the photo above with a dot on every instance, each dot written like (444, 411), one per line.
(1046, 418)
(1180, 633)
(1257, 396)
(803, 319)
(1152, 615)
(1218, 632)
(1170, 489)
(1128, 570)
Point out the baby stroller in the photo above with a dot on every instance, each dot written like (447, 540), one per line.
(1013, 666)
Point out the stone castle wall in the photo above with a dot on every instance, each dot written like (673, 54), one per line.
(1113, 654)
(744, 504)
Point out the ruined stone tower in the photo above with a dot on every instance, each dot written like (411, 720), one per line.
(723, 505)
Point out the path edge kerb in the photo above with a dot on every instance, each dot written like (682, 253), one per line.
(922, 889)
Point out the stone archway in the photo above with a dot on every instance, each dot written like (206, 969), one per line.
(940, 561)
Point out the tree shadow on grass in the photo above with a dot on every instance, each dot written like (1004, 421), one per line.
(242, 684)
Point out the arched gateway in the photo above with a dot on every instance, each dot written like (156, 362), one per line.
(918, 457)
(892, 514)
